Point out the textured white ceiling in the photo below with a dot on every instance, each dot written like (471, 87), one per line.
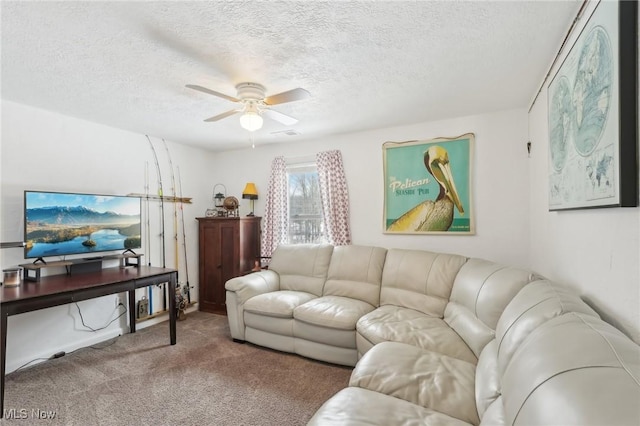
(367, 64)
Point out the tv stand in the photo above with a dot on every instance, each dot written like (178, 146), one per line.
(126, 258)
(76, 266)
(35, 268)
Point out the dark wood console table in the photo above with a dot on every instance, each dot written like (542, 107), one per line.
(62, 289)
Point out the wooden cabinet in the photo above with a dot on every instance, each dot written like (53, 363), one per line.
(228, 248)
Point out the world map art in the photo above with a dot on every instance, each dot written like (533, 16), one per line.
(583, 111)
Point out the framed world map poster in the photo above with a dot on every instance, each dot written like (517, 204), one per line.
(592, 114)
(427, 186)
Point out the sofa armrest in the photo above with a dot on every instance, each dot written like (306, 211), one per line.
(247, 286)
(241, 289)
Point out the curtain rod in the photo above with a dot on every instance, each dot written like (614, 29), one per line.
(573, 24)
(300, 160)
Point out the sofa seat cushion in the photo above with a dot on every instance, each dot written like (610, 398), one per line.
(279, 304)
(356, 406)
(333, 312)
(422, 377)
(396, 324)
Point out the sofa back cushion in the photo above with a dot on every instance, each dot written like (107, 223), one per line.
(356, 272)
(573, 369)
(481, 291)
(534, 305)
(302, 267)
(419, 279)
(487, 379)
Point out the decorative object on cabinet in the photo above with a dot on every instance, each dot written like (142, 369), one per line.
(228, 248)
(231, 205)
(251, 193)
(218, 201)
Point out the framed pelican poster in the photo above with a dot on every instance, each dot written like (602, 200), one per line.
(427, 186)
(593, 114)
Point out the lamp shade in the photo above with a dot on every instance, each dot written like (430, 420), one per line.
(251, 121)
(250, 191)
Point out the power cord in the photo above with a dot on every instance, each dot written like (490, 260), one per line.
(31, 362)
(62, 353)
(108, 324)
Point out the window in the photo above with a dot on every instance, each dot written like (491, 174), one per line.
(305, 205)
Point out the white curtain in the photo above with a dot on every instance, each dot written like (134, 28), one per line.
(335, 197)
(276, 215)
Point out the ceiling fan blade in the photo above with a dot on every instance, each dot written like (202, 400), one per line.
(279, 117)
(288, 96)
(223, 115)
(212, 92)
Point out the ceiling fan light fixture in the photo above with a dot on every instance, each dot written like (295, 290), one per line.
(255, 104)
(251, 121)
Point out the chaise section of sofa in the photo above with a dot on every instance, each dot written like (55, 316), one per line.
(553, 361)
(423, 377)
(361, 407)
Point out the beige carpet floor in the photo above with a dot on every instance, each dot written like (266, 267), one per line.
(205, 379)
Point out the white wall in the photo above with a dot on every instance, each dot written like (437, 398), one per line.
(595, 251)
(500, 167)
(46, 151)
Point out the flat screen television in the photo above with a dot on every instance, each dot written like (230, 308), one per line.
(60, 224)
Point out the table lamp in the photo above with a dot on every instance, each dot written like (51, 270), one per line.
(251, 193)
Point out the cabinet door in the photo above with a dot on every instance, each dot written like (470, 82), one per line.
(218, 262)
(228, 259)
(250, 234)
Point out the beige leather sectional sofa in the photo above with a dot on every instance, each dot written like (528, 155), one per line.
(439, 338)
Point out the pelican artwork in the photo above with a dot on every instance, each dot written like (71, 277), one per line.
(432, 215)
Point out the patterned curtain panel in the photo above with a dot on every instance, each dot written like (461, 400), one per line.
(276, 215)
(334, 196)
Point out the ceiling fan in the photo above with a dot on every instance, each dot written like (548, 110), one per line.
(254, 104)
